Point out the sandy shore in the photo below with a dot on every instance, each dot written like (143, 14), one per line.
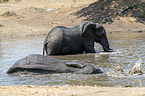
(36, 18)
(70, 91)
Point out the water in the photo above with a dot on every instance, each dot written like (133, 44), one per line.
(130, 50)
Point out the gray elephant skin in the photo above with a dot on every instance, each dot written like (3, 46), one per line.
(35, 63)
(79, 39)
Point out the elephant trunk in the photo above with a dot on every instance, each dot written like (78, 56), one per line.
(105, 45)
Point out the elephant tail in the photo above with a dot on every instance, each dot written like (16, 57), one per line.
(45, 49)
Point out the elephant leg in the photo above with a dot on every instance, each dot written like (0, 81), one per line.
(82, 68)
(88, 49)
(89, 69)
(75, 65)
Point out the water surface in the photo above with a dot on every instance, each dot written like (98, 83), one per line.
(131, 49)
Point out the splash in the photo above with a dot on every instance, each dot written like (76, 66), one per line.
(119, 72)
(136, 68)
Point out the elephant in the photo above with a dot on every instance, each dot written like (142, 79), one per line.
(76, 40)
(35, 63)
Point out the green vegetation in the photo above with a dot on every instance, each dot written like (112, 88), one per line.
(2, 1)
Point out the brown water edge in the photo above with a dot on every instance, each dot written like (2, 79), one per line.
(114, 35)
(126, 35)
(70, 91)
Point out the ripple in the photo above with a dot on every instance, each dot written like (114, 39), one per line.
(129, 51)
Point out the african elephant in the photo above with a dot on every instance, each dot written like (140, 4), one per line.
(79, 39)
(35, 63)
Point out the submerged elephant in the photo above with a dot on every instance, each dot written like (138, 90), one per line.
(47, 65)
(62, 41)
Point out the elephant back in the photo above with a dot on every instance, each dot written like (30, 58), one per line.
(61, 41)
(53, 41)
(38, 63)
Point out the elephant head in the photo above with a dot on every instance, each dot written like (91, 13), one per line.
(93, 32)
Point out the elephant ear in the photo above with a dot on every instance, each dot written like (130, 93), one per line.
(99, 30)
(87, 25)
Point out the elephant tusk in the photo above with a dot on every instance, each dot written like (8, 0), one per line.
(108, 50)
(105, 48)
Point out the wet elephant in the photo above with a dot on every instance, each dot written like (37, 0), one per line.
(79, 39)
(35, 63)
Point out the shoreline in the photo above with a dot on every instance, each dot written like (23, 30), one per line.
(70, 91)
(114, 35)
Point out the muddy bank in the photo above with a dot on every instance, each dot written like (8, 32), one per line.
(29, 18)
(34, 18)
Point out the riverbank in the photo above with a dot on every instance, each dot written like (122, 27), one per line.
(70, 91)
(37, 18)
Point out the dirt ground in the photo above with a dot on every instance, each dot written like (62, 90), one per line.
(37, 17)
(69, 91)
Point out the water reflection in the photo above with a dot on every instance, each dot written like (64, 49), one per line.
(131, 50)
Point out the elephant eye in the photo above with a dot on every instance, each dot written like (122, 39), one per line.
(99, 33)
(103, 35)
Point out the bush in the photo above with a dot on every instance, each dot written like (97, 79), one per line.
(1, 1)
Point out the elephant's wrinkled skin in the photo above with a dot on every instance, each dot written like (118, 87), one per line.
(47, 65)
(62, 41)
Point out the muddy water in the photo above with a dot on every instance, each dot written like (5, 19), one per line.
(130, 50)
